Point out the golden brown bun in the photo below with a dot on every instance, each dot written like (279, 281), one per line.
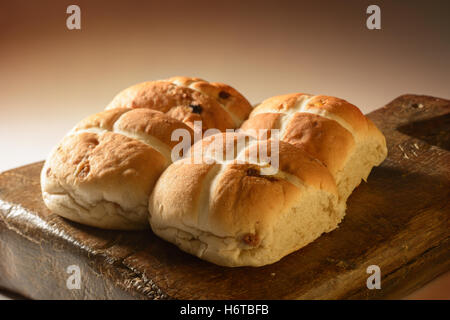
(217, 105)
(330, 129)
(104, 170)
(228, 213)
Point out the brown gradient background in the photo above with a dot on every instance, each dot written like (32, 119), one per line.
(51, 77)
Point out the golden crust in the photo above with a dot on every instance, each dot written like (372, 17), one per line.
(297, 162)
(103, 171)
(188, 100)
(227, 96)
(87, 158)
(279, 103)
(335, 106)
(101, 179)
(143, 123)
(292, 160)
(322, 138)
(152, 123)
(330, 129)
(343, 109)
(221, 147)
(262, 121)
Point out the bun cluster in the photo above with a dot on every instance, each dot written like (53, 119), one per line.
(116, 170)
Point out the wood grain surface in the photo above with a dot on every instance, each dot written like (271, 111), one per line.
(399, 221)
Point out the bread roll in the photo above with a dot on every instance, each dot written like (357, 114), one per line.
(217, 105)
(226, 212)
(103, 171)
(330, 129)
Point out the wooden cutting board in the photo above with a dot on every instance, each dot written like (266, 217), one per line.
(399, 221)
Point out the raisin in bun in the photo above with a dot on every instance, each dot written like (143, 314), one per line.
(103, 171)
(226, 211)
(187, 99)
(330, 129)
